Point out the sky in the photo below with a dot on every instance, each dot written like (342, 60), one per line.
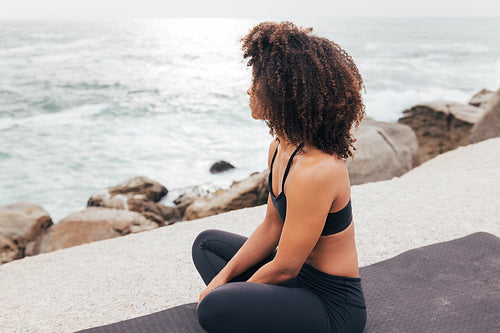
(98, 9)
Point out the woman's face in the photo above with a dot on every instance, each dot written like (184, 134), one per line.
(257, 108)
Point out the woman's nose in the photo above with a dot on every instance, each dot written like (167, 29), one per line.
(248, 91)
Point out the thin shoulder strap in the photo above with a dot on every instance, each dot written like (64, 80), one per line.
(272, 161)
(289, 164)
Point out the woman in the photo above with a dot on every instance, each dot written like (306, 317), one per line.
(308, 91)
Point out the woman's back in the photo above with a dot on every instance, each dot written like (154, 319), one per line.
(334, 253)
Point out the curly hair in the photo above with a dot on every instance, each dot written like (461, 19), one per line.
(309, 86)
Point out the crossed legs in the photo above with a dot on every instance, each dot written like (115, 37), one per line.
(240, 306)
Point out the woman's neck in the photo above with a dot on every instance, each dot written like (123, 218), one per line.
(286, 146)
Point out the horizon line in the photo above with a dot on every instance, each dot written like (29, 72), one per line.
(246, 17)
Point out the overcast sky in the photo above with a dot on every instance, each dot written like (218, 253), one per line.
(71, 9)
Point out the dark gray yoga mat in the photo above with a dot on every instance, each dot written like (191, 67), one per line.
(446, 287)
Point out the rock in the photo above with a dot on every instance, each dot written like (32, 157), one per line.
(191, 193)
(23, 224)
(168, 214)
(139, 194)
(489, 125)
(104, 199)
(220, 166)
(140, 185)
(440, 126)
(383, 151)
(119, 194)
(183, 202)
(249, 192)
(8, 250)
(93, 224)
(157, 212)
(481, 98)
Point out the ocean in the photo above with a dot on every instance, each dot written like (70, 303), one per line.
(86, 105)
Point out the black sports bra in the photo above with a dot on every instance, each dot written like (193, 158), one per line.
(335, 222)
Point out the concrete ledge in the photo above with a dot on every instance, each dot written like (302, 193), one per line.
(453, 195)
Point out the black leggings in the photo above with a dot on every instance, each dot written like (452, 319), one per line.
(311, 302)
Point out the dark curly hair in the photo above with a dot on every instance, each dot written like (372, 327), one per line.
(309, 86)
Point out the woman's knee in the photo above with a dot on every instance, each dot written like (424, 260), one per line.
(214, 308)
(205, 235)
(201, 239)
(205, 313)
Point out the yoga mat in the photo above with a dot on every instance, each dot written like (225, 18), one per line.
(446, 287)
(179, 319)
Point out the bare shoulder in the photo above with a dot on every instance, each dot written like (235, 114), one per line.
(319, 171)
(272, 148)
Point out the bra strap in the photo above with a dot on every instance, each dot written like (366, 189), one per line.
(288, 166)
(272, 161)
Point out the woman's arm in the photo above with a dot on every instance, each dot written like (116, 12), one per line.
(262, 241)
(256, 248)
(309, 197)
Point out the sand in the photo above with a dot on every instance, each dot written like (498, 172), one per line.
(450, 196)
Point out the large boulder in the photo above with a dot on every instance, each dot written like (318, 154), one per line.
(441, 126)
(488, 126)
(23, 224)
(482, 98)
(139, 194)
(192, 193)
(383, 151)
(153, 190)
(93, 224)
(249, 192)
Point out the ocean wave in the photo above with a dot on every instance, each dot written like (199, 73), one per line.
(4, 155)
(10, 51)
(145, 91)
(467, 47)
(371, 46)
(419, 50)
(388, 105)
(68, 116)
(90, 86)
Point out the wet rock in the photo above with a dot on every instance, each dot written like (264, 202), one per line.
(192, 193)
(383, 151)
(139, 194)
(93, 224)
(183, 201)
(23, 224)
(151, 189)
(249, 192)
(220, 166)
(481, 98)
(441, 126)
(8, 250)
(488, 126)
(168, 214)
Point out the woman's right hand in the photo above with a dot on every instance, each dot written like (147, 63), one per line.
(216, 282)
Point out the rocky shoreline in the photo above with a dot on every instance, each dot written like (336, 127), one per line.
(383, 151)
